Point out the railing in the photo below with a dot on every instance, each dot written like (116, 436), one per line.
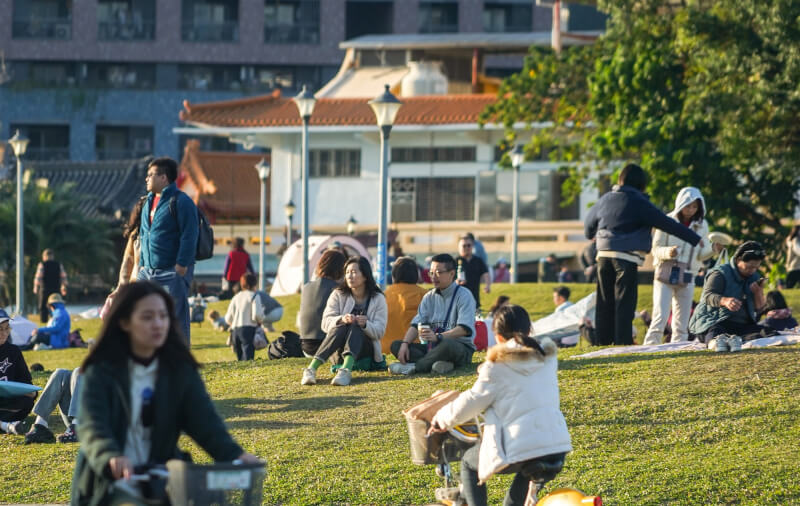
(45, 154)
(120, 154)
(116, 31)
(285, 34)
(210, 32)
(42, 28)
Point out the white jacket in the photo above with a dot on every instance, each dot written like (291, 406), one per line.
(792, 254)
(340, 304)
(518, 391)
(663, 242)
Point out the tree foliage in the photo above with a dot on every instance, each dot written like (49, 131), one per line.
(701, 93)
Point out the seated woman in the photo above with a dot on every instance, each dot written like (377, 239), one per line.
(402, 297)
(354, 321)
(314, 297)
(777, 312)
(517, 388)
(731, 300)
(13, 410)
(140, 390)
(55, 334)
(243, 314)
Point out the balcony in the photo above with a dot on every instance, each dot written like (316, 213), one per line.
(116, 31)
(42, 28)
(227, 31)
(121, 154)
(287, 34)
(47, 154)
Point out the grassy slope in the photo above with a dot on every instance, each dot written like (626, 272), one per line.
(682, 428)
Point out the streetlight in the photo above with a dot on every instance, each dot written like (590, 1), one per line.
(262, 167)
(305, 102)
(289, 210)
(19, 144)
(517, 157)
(351, 226)
(385, 108)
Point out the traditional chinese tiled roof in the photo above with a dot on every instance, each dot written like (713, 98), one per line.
(226, 184)
(277, 111)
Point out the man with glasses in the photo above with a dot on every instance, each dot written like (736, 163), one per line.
(444, 324)
(473, 268)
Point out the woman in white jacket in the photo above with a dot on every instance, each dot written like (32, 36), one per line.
(690, 210)
(517, 389)
(354, 322)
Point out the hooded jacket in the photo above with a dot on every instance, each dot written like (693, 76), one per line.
(517, 390)
(663, 242)
(58, 326)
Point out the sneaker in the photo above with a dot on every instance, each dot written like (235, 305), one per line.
(398, 368)
(18, 428)
(69, 435)
(39, 434)
(41, 347)
(735, 343)
(342, 378)
(448, 495)
(442, 367)
(309, 377)
(719, 343)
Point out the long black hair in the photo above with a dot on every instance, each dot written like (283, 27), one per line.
(366, 270)
(774, 300)
(114, 344)
(135, 219)
(512, 322)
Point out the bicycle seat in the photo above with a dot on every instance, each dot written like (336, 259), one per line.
(545, 468)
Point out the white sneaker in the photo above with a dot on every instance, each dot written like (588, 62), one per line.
(342, 378)
(398, 368)
(719, 343)
(309, 377)
(442, 367)
(735, 343)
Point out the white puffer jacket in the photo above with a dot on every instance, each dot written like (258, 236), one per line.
(518, 390)
(663, 242)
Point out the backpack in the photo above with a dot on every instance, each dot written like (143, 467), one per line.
(481, 339)
(75, 339)
(205, 234)
(287, 345)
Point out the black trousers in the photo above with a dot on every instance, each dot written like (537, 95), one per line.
(14, 409)
(793, 278)
(732, 328)
(243, 343)
(345, 340)
(617, 291)
(44, 311)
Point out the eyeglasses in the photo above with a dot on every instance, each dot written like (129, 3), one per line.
(439, 272)
(466, 245)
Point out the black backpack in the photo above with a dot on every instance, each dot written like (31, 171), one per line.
(205, 234)
(287, 345)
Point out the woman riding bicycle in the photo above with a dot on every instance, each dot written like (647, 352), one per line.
(517, 388)
(140, 391)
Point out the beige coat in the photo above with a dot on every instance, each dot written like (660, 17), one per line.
(341, 303)
(129, 269)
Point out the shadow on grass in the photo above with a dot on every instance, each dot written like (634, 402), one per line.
(577, 363)
(650, 421)
(312, 403)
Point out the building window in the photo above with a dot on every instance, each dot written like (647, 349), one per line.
(434, 154)
(438, 17)
(422, 199)
(126, 19)
(291, 21)
(42, 19)
(50, 74)
(123, 142)
(47, 142)
(505, 16)
(121, 75)
(334, 163)
(539, 196)
(210, 20)
(368, 18)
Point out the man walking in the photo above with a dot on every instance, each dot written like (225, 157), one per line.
(471, 270)
(50, 278)
(168, 237)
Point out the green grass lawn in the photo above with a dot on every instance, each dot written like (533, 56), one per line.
(677, 428)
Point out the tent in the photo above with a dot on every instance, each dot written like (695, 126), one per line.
(290, 271)
(21, 329)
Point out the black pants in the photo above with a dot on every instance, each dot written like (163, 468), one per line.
(345, 340)
(14, 409)
(733, 328)
(310, 346)
(449, 350)
(42, 336)
(243, 343)
(44, 311)
(617, 292)
(793, 278)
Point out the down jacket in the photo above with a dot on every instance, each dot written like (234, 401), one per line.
(663, 242)
(341, 303)
(518, 391)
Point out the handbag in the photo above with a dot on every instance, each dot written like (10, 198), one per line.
(673, 272)
(260, 339)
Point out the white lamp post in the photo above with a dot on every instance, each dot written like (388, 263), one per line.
(351, 226)
(305, 102)
(289, 209)
(19, 144)
(262, 167)
(385, 107)
(517, 157)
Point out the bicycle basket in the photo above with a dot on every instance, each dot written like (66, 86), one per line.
(218, 484)
(425, 449)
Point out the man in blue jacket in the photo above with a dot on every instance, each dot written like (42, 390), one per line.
(55, 334)
(168, 237)
(621, 222)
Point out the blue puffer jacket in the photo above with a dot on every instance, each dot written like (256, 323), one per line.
(58, 326)
(622, 219)
(169, 240)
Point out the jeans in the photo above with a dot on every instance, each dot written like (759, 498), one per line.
(616, 301)
(345, 340)
(243, 343)
(62, 390)
(178, 288)
(681, 299)
(449, 350)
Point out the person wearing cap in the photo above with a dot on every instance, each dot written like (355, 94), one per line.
(13, 368)
(731, 300)
(56, 333)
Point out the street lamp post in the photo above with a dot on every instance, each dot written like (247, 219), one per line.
(385, 107)
(517, 157)
(305, 102)
(289, 210)
(19, 144)
(263, 173)
(351, 226)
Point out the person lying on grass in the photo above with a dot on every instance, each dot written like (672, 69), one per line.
(140, 390)
(354, 322)
(517, 390)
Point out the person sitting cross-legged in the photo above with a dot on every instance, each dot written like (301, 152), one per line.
(55, 334)
(61, 390)
(444, 323)
(14, 409)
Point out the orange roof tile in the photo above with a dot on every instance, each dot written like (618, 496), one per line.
(227, 183)
(276, 111)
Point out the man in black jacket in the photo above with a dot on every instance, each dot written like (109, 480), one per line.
(50, 279)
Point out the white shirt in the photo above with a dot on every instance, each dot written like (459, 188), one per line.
(241, 309)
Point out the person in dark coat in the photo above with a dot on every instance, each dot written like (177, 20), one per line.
(13, 368)
(50, 278)
(140, 391)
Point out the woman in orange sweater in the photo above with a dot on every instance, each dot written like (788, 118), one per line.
(403, 297)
